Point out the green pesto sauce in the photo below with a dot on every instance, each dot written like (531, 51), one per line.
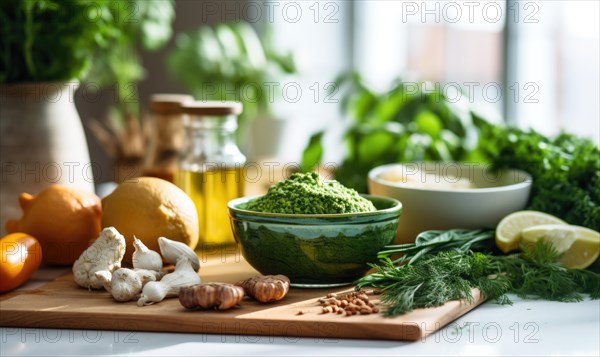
(308, 193)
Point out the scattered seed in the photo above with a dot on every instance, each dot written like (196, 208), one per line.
(352, 303)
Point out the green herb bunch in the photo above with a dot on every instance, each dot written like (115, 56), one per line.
(536, 273)
(46, 40)
(565, 171)
(434, 280)
(408, 122)
(449, 270)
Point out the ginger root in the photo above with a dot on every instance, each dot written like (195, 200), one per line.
(104, 255)
(266, 288)
(219, 296)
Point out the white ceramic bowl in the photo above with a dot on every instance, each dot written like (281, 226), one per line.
(439, 207)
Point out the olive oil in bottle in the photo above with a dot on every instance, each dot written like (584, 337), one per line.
(211, 170)
(211, 190)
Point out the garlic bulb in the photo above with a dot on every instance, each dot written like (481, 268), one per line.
(144, 258)
(126, 284)
(170, 284)
(172, 250)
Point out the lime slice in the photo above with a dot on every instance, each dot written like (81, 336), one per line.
(508, 232)
(580, 245)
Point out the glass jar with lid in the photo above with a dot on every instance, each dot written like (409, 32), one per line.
(211, 170)
(166, 134)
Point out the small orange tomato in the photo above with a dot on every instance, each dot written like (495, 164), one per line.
(20, 257)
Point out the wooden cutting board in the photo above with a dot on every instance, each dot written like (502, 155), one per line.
(62, 304)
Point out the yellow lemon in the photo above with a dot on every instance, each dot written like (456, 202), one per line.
(580, 246)
(149, 208)
(508, 232)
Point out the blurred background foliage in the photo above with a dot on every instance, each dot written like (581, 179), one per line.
(96, 42)
(229, 61)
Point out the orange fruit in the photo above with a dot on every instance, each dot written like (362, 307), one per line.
(64, 220)
(20, 257)
(149, 208)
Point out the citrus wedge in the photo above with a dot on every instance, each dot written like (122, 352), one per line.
(580, 246)
(508, 232)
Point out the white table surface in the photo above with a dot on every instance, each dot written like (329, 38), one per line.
(527, 328)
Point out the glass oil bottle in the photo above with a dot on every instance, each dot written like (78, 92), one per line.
(211, 171)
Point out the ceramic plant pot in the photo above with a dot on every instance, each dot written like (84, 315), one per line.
(41, 142)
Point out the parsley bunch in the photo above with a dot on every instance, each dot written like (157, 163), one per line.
(565, 170)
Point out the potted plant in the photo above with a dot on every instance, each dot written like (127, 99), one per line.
(231, 62)
(48, 50)
(404, 123)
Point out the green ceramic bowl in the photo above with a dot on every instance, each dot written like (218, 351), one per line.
(314, 250)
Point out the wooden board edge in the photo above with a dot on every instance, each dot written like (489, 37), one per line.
(408, 331)
(320, 331)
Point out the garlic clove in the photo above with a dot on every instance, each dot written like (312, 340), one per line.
(153, 291)
(172, 250)
(183, 275)
(169, 286)
(145, 258)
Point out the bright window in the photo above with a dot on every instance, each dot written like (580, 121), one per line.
(531, 63)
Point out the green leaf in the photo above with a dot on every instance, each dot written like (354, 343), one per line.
(389, 106)
(374, 146)
(428, 123)
(362, 105)
(156, 22)
(253, 48)
(313, 153)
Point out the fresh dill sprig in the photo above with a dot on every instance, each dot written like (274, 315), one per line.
(434, 279)
(536, 273)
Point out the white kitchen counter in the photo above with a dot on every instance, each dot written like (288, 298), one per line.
(527, 328)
